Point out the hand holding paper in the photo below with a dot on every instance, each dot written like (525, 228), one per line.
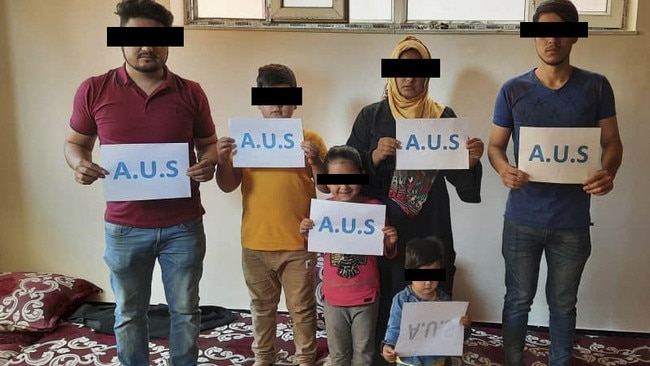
(475, 147)
(225, 148)
(312, 153)
(465, 321)
(386, 146)
(87, 172)
(514, 178)
(390, 238)
(600, 183)
(202, 171)
(388, 352)
(305, 226)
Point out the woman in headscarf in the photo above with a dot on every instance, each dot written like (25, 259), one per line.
(417, 202)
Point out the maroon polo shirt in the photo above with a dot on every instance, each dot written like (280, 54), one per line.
(115, 109)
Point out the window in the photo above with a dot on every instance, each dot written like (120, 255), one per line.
(245, 9)
(309, 10)
(469, 10)
(601, 13)
(388, 16)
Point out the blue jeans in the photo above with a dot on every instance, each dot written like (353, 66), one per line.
(566, 252)
(130, 255)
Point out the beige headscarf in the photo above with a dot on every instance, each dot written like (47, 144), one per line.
(420, 107)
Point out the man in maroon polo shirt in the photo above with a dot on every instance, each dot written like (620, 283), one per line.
(142, 102)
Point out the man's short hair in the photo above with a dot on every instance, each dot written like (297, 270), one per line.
(149, 9)
(423, 252)
(562, 8)
(275, 74)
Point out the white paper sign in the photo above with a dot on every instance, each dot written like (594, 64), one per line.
(559, 154)
(139, 172)
(432, 144)
(267, 142)
(431, 328)
(347, 228)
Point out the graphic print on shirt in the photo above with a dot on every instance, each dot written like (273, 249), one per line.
(347, 264)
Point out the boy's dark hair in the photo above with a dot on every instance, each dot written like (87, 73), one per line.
(275, 74)
(149, 9)
(423, 252)
(563, 8)
(343, 152)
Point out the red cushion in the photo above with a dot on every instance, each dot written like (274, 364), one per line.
(37, 301)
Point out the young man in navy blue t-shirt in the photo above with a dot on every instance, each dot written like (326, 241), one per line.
(549, 217)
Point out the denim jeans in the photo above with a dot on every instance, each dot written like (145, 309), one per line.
(130, 255)
(566, 252)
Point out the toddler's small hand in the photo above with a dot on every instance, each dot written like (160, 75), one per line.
(388, 352)
(465, 321)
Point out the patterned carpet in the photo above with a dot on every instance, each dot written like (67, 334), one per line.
(74, 345)
(485, 348)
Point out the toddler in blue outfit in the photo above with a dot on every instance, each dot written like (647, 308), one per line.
(420, 254)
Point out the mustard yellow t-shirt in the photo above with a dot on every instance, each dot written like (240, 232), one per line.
(275, 200)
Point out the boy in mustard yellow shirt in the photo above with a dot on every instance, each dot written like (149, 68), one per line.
(274, 256)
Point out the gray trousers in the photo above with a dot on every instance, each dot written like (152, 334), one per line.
(351, 334)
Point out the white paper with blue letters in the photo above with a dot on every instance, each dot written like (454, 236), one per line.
(559, 154)
(267, 142)
(139, 172)
(427, 144)
(347, 228)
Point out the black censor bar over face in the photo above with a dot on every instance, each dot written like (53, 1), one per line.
(352, 179)
(145, 37)
(553, 29)
(276, 96)
(410, 68)
(439, 275)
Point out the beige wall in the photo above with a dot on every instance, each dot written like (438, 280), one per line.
(50, 223)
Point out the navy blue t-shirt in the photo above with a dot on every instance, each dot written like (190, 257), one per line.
(585, 99)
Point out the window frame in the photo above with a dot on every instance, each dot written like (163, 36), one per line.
(337, 13)
(186, 14)
(615, 18)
